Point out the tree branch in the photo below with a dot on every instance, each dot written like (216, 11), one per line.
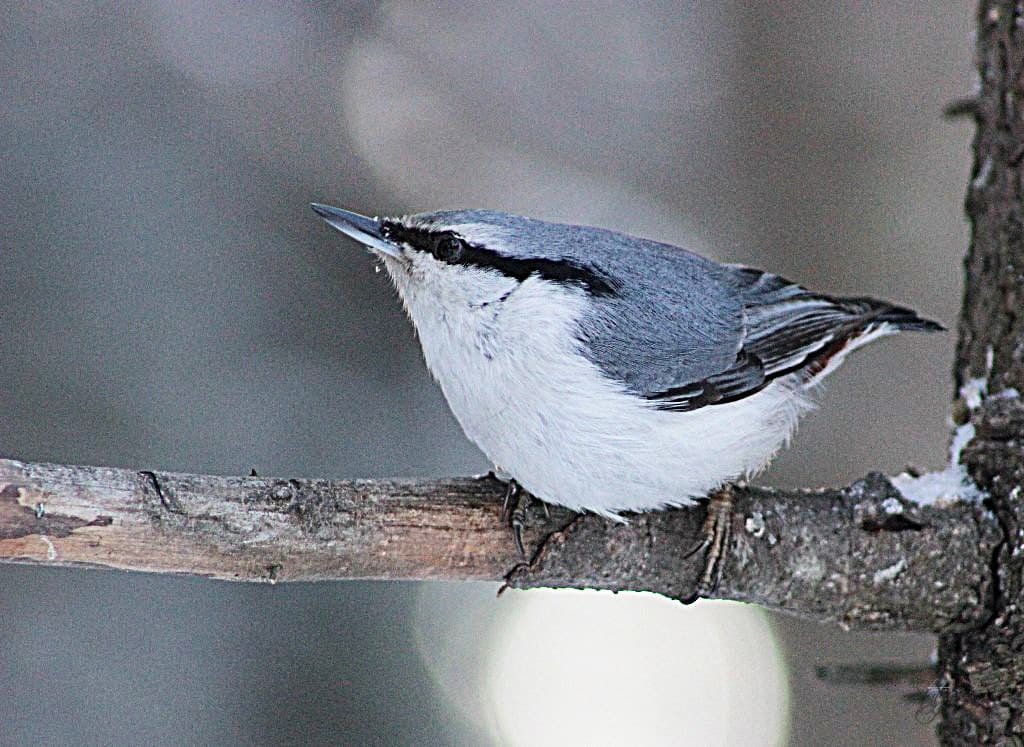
(861, 556)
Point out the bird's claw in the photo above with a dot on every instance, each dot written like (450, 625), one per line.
(513, 512)
(715, 536)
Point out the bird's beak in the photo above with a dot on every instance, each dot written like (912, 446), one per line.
(367, 231)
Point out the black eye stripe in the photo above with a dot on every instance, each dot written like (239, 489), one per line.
(448, 247)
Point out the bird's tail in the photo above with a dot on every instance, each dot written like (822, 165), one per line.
(900, 318)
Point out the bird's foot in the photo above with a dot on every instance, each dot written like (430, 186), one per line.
(513, 512)
(714, 542)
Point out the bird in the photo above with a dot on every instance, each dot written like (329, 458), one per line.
(613, 374)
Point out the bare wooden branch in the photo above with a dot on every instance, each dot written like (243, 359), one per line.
(861, 556)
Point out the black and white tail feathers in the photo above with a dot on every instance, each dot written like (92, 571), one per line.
(790, 330)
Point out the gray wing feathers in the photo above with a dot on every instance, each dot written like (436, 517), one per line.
(785, 323)
(782, 329)
(654, 335)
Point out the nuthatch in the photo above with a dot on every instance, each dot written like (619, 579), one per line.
(609, 373)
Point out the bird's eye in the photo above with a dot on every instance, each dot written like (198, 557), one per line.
(448, 248)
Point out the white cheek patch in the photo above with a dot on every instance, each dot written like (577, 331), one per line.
(436, 287)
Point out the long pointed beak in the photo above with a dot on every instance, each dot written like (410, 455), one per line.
(367, 231)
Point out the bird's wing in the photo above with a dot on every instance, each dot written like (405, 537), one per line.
(786, 329)
(674, 320)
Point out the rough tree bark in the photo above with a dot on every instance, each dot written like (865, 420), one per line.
(862, 555)
(983, 668)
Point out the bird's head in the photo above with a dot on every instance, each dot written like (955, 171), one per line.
(455, 261)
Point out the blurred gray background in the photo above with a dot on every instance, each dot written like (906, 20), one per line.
(170, 302)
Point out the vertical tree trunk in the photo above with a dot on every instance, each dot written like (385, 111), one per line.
(983, 669)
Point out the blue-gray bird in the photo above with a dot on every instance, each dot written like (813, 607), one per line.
(610, 373)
